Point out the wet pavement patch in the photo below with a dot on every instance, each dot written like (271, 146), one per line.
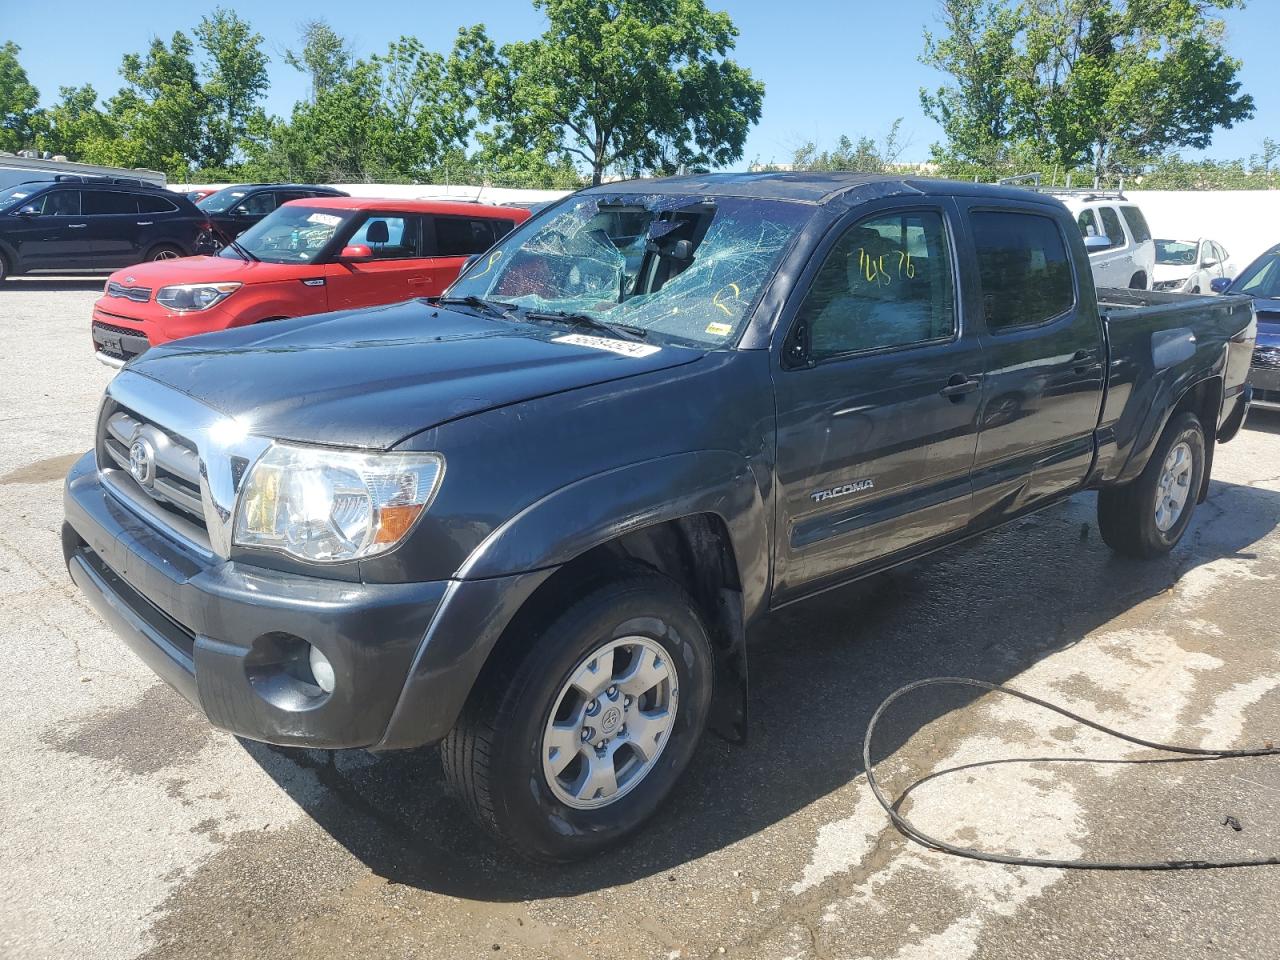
(159, 730)
(42, 471)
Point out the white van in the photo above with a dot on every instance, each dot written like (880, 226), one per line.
(1116, 234)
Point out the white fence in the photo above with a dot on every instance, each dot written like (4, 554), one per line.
(1246, 222)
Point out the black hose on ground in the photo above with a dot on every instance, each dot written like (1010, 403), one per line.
(914, 833)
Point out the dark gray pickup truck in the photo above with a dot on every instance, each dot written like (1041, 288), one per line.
(535, 519)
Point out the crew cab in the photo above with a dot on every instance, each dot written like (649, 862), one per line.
(535, 519)
(309, 256)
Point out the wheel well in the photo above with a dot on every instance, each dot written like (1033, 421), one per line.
(697, 553)
(1138, 281)
(1204, 400)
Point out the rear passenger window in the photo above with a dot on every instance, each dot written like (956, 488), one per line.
(461, 237)
(1137, 224)
(108, 201)
(1024, 270)
(1111, 226)
(886, 283)
(156, 205)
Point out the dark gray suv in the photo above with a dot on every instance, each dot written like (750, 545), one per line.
(81, 224)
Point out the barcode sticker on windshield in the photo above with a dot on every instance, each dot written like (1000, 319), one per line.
(328, 219)
(624, 347)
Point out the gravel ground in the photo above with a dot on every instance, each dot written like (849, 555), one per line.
(129, 828)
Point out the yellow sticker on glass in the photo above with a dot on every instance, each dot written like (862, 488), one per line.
(719, 329)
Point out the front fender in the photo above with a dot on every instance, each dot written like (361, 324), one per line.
(600, 508)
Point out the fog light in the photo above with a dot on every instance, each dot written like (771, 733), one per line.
(322, 670)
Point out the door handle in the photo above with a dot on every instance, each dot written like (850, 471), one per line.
(1083, 361)
(145, 223)
(419, 281)
(76, 226)
(958, 386)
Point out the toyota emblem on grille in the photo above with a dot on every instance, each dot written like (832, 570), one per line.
(142, 461)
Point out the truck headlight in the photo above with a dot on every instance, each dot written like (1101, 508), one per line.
(326, 506)
(195, 296)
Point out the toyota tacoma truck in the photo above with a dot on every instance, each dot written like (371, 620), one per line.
(533, 520)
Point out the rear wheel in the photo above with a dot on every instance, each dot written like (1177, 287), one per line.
(573, 744)
(1148, 516)
(4, 268)
(165, 252)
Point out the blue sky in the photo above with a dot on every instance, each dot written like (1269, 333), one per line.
(829, 66)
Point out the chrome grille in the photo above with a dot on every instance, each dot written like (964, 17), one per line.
(136, 294)
(155, 469)
(1267, 357)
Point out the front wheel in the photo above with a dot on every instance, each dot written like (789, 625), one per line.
(571, 745)
(1148, 516)
(165, 252)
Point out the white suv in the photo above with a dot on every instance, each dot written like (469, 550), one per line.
(1116, 234)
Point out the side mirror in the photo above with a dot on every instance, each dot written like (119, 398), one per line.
(1209, 263)
(1220, 284)
(355, 253)
(1094, 244)
(28, 211)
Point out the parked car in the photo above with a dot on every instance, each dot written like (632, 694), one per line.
(1121, 250)
(233, 210)
(534, 520)
(1188, 266)
(1261, 281)
(309, 256)
(195, 196)
(82, 224)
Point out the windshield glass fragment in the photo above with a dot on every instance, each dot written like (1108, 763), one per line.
(684, 266)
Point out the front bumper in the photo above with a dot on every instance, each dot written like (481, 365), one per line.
(226, 635)
(1264, 377)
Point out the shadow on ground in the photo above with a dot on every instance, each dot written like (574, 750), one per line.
(989, 609)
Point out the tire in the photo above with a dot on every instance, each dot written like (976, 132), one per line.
(1195, 291)
(165, 251)
(499, 758)
(4, 268)
(1138, 281)
(1130, 517)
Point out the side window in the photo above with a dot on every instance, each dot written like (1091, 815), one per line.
(461, 237)
(501, 228)
(1023, 267)
(1137, 224)
(390, 237)
(61, 203)
(1088, 224)
(1111, 227)
(258, 205)
(108, 201)
(284, 196)
(1220, 254)
(886, 283)
(156, 205)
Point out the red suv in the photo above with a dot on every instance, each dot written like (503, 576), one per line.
(308, 256)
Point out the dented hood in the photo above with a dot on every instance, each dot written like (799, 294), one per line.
(370, 378)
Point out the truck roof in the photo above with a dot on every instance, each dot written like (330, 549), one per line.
(815, 187)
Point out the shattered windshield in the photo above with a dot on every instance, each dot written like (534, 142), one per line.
(685, 266)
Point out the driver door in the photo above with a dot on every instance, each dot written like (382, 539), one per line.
(55, 235)
(394, 272)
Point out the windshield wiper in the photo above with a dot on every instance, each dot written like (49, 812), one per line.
(245, 253)
(494, 308)
(619, 330)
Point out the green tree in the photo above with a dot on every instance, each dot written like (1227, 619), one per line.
(326, 56)
(235, 72)
(75, 125)
(622, 84)
(19, 101)
(1109, 84)
(863, 155)
(391, 116)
